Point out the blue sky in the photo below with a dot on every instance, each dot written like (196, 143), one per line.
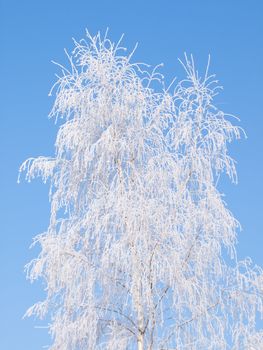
(33, 33)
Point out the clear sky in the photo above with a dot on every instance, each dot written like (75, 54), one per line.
(32, 33)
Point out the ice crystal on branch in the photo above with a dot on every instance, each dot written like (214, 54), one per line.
(135, 255)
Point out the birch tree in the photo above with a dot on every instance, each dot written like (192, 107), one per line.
(140, 249)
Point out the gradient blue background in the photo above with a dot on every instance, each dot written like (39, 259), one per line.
(33, 33)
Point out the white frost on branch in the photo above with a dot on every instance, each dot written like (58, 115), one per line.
(140, 250)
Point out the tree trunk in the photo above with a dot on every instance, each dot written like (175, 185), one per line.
(140, 342)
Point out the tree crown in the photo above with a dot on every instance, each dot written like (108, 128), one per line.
(135, 254)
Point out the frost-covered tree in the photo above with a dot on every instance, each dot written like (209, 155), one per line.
(140, 249)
